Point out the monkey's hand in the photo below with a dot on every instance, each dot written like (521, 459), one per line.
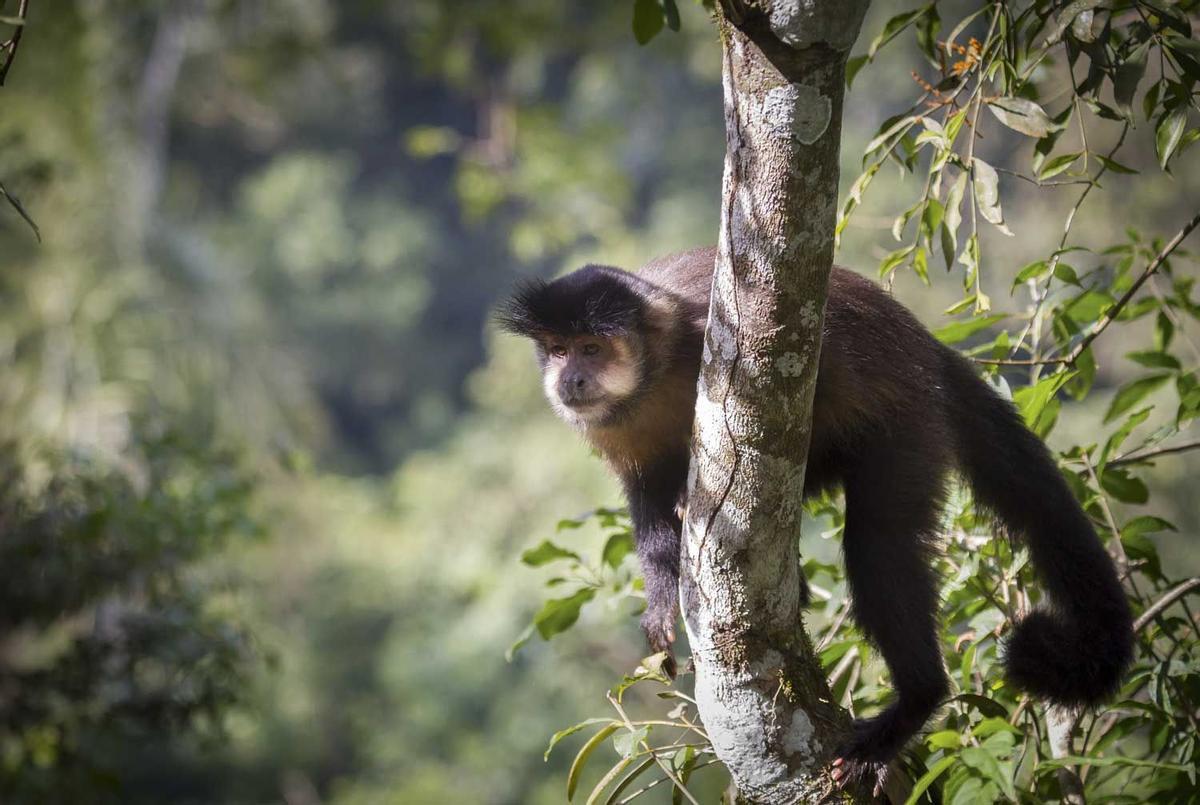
(658, 622)
(865, 775)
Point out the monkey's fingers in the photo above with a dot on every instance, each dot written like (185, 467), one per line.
(669, 666)
(859, 774)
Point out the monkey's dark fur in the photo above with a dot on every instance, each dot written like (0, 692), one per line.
(895, 412)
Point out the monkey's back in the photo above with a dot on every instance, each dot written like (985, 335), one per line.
(880, 368)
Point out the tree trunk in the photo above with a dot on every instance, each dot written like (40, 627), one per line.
(761, 691)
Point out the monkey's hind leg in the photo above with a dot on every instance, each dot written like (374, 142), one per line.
(893, 499)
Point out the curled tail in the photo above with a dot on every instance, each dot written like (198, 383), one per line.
(1073, 649)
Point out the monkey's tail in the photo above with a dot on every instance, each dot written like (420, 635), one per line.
(1073, 648)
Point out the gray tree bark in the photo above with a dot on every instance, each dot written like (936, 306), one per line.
(761, 691)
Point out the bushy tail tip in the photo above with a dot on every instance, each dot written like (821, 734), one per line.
(1068, 662)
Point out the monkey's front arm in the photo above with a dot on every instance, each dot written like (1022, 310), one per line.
(656, 526)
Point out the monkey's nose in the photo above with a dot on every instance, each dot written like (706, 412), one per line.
(578, 382)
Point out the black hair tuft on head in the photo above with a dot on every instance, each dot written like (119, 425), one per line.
(595, 300)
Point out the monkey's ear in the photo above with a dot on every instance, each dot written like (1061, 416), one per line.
(521, 314)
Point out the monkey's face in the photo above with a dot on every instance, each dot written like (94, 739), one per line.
(588, 378)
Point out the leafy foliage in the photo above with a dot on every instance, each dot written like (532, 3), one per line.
(111, 633)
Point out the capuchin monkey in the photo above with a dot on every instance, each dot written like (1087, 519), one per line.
(895, 412)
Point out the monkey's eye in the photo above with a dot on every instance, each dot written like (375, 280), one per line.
(591, 349)
(558, 351)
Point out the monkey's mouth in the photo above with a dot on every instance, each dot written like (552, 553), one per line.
(587, 408)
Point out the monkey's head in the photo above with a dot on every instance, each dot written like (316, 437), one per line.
(589, 330)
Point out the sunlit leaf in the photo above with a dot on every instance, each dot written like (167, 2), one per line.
(1132, 393)
(584, 753)
(626, 742)
(558, 736)
(961, 330)
(1023, 115)
(559, 614)
(1168, 133)
(545, 553)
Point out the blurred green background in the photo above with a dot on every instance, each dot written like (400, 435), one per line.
(267, 470)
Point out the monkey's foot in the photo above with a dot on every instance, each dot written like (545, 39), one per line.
(659, 625)
(862, 774)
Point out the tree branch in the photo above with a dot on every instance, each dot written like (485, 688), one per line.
(1145, 455)
(9, 48)
(1112, 312)
(1168, 598)
(760, 688)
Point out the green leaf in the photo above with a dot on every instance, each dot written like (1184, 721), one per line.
(684, 762)
(989, 707)
(1113, 165)
(990, 726)
(1131, 394)
(889, 129)
(1065, 273)
(647, 20)
(1168, 133)
(953, 217)
(1033, 400)
(1088, 306)
(853, 66)
(558, 736)
(986, 764)
(1023, 115)
(626, 743)
(1155, 359)
(894, 26)
(607, 779)
(1123, 486)
(1146, 524)
(1067, 16)
(581, 757)
(928, 778)
(960, 330)
(894, 259)
(944, 739)
(545, 553)
(987, 193)
(635, 773)
(1121, 434)
(671, 13)
(523, 638)
(1033, 271)
(1058, 165)
(559, 614)
(616, 548)
(1127, 76)
(1150, 99)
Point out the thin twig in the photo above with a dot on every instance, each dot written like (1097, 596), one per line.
(650, 785)
(1164, 307)
(1036, 183)
(1168, 598)
(661, 764)
(1111, 314)
(1131, 458)
(1033, 329)
(14, 42)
